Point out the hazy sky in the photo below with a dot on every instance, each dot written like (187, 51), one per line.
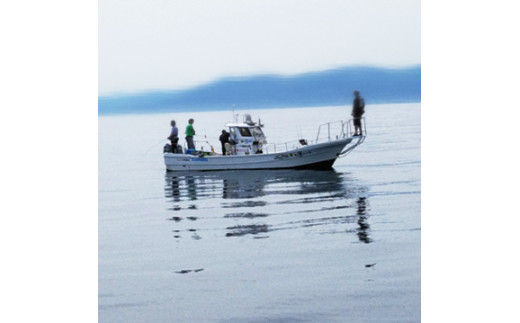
(171, 44)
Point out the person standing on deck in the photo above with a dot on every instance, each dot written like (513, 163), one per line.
(224, 138)
(174, 136)
(190, 132)
(358, 109)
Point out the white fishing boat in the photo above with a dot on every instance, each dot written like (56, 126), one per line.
(248, 149)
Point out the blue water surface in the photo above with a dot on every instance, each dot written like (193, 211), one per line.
(261, 246)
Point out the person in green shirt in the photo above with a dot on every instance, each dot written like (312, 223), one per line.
(190, 132)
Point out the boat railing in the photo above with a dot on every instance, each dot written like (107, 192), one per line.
(332, 131)
(283, 147)
(326, 132)
(350, 129)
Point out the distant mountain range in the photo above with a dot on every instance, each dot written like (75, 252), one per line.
(324, 88)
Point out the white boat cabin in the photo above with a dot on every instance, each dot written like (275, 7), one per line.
(245, 138)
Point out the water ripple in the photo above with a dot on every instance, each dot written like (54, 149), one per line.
(280, 200)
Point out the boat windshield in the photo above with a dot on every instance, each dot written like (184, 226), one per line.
(244, 132)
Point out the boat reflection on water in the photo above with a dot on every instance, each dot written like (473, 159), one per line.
(364, 227)
(258, 203)
(251, 184)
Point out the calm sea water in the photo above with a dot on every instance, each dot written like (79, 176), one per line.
(284, 246)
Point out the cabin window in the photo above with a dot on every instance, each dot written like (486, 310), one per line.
(233, 134)
(257, 132)
(244, 132)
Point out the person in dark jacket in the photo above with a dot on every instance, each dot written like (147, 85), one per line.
(224, 138)
(358, 109)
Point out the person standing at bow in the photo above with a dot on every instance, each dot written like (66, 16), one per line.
(358, 109)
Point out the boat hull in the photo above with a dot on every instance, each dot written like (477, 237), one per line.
(317, 156)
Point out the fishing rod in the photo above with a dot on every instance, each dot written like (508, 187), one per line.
(154, 145)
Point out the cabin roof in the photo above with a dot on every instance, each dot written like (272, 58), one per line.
(241, 125)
